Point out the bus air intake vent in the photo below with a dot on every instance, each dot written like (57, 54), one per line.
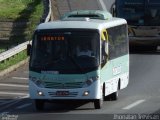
(92, 14)
(58, 85)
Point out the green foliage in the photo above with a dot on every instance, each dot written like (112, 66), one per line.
(12, 9)
(19, 11)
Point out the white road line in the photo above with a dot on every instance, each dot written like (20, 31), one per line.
(26, 96)
(23, 106)
(20, 78)
(12, 102)
(102, 4)
(22, 97)
(133, 104)
(13, 85)
(12, 93)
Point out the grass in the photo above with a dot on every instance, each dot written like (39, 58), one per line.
(35, 19)
(2, 50)
(20, 11)
(11, 9)
(17, 11)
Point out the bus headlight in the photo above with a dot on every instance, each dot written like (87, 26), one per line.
(86, 93)
(40, 93)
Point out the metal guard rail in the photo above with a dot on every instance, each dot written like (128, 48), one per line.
(13, 51)
(19, 48)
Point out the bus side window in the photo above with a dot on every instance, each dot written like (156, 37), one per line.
(118, 42)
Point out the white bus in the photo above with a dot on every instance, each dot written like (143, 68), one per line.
(84, 56)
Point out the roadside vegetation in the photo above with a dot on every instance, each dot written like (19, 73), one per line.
(19, 19)
(12, 9)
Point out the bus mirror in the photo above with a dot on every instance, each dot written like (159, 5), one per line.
(29, 49)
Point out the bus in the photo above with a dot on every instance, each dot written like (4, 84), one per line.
(79, 58)
(143, 17)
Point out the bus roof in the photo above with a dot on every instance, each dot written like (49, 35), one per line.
(93, 14)
(82, 23)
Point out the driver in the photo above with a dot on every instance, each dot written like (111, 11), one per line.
(84, 50)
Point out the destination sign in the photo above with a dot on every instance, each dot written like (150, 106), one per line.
(52, 38)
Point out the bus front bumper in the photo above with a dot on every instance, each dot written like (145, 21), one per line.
(88, 93)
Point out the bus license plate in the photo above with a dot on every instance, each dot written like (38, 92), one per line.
(62, 93)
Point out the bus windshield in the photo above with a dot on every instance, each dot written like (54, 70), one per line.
(65, 51)
(139, 12)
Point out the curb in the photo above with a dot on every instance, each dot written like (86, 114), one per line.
(12, 68)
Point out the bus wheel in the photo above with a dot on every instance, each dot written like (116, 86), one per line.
(114, 96)
(39, 104)
(105, 98)
(98, 103)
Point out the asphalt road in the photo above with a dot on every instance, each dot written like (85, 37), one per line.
(141, 95)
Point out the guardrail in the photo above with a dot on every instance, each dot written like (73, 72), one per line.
(13, 51)
(49, 13)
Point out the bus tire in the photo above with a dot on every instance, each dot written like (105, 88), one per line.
(98, 103)
(114, 96)
(105, 98)
(39, 104)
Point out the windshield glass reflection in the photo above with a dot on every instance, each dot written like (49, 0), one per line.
(65, 52)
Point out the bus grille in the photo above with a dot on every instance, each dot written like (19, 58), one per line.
(57, 85)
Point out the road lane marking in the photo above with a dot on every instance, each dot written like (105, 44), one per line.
(14, 100)
(13, 85)
(22, 97)
(20, 78)
(9, 104)
(133, 104)
(12, 93)
(102, 4)
(23, 106)
(26, 96)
